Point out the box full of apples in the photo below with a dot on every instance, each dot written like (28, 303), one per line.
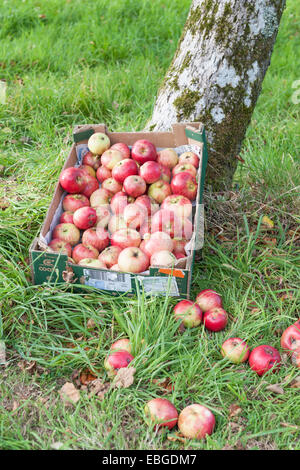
(126, 214)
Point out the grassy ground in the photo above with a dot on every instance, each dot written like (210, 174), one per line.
(70, 62)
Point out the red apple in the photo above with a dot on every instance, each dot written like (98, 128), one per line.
(179, 245)
(134, 215)
(143, 151)
(110, 158)
(100, 197)
(110, 255)
(133, 260)
(67, 232)
(123, 169)
(196, 421)
(117, 360)
(163, 258)
(119, 201)
(116, 222)
(126, 237)
(85, 217)
(66, 217)
(158, 241)
(167, 157)
(123, 148)
(81, 252)
(103, 216)
(96, 237)
(189, 157)
(208, 299)
(150, 172)
(103, 173)
(180, 255)
(72, 202)
(189, 312)
(215, 319)
(145, 229)
(290, 339)
(166, 221)
(122, 344)
(148, 203)
(263, 358)
(165, 173)
(98, 143)
(186, 229)
(88, 169)
(235, 350)
(112, 185)
(185, 184)
(181, 205)
(134, 185)
(92, 160)
(159, 191)
(160, 412)
(60, 246)
(92, 263)
(72, 180)
(91, 185)
(188, 167)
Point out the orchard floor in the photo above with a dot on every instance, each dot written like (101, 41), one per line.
(64, 64)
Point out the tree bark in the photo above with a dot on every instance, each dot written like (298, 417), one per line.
(217, 73)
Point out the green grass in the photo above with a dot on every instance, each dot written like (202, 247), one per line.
(75, 62)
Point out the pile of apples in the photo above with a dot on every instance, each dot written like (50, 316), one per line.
(140, 216)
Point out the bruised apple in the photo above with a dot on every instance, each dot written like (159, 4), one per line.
(117, 360)
(264, 358)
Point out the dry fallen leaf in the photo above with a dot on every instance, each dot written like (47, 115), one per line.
(234, 410)
(165, 384)
(177, 436)
(267, 221)
(90, 324)
(97, 387)
(86, 376)
(27, 366)
(275, 388)
(124, 377)
(295, 383)
(68, 275)
(69, 394)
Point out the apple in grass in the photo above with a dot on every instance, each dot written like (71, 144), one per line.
(122, 344)
(60, 246)
(67, 232)
(96, 237)
(180, 205)
(123, 148)
(103, 174)
(143, 151)
(125, 237)
(150, 172)
(91, 185)
(100, 197)
(189, 312)
(167, 157)
(134, 186)
(98, 143)
(165, 173)
(112, 185)
(110, 256)
(103, 216)
(92, 160)
(163, 258)
(159, 191)
(88, 169)
(208, 299)
(196, 421)
(72, 180)
(92, 263)
(110, 158)
(158, 241)
(66, 217)
(290, 339)
(160, 412)
(185, 184)
(117, 360)
(81, 251)
(116, 222)
(189, 157)
(188, 167)
(134, 215)
(264, 358)
(133, 260)
(215, 319)
(85, 217)
(123, 169)
(235, 350)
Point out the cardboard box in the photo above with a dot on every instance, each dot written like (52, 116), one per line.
(51, 267)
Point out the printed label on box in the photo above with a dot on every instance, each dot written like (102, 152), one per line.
(107, 281)
(158, 285)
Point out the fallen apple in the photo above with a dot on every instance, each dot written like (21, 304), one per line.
(160, 412)
(117, 360)
(188, 312)
(208, 299)
(215, 319)
(196, 421)
(235, 350)
(122, 344)
(264, 358)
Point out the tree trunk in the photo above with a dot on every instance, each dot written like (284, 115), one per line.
(217, 73)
